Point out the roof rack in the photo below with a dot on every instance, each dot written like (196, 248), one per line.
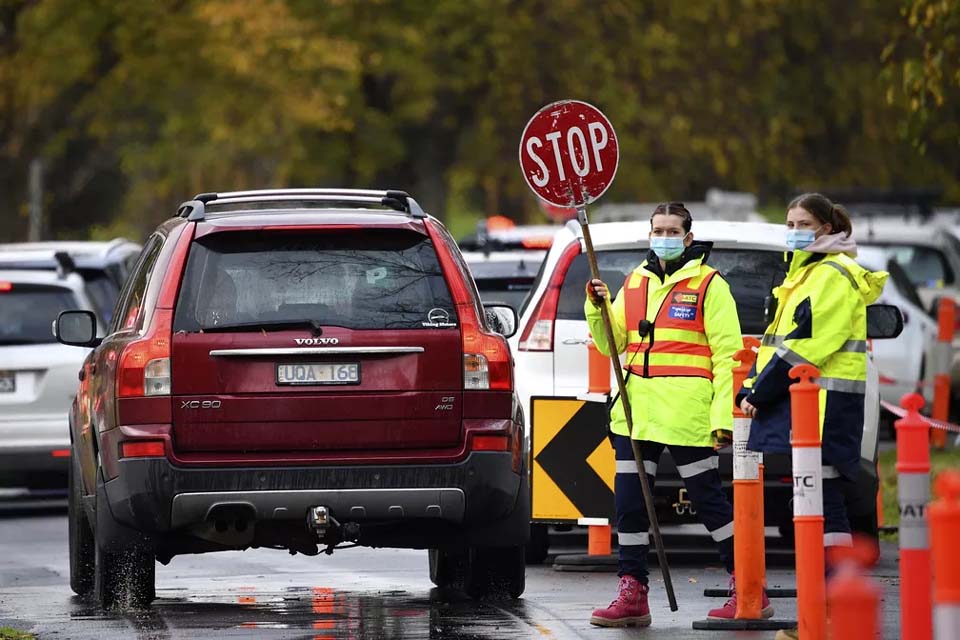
(196, 209)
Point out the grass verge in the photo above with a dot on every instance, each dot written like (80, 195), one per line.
(939, 460)
(9, 633)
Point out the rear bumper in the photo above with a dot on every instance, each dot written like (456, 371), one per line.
(34, 468)
(155, 498)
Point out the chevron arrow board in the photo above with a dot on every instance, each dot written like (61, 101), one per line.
(573, 461)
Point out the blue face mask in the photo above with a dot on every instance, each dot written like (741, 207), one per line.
(800, 238)
(667, 249)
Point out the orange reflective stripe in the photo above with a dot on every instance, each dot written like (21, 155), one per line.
(635, 301)
(681, 348)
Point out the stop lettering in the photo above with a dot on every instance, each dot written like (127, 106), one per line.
(569, 153)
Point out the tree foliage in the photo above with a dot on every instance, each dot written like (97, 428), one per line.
(134, 106)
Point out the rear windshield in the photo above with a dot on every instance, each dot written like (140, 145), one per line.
(751, 274)
(27, 312)
(375, 279)
(925, 266)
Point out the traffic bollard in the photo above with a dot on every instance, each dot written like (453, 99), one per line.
(598, 370)
(853, 599)
(944, 533)
(946, 323)
(748, 533)
(598, 540)
(913, 493)
(808, 503)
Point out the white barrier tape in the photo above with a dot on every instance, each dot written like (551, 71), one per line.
(913, 495)
(746, 463)
(807, 482)
(934, 424)
(946, 621)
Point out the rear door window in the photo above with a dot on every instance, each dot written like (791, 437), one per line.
(375, 279)
(27, 312)
(925, 266)
(751, 274)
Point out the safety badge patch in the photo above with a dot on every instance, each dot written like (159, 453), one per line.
(682, 312)
(680, 297)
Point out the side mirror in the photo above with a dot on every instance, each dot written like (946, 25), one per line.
(76, 329)
(502, 319)
(884, 321)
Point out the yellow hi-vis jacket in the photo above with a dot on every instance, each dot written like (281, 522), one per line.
(675, 409)
(820, 319)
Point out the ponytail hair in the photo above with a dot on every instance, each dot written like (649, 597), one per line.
(821, 208)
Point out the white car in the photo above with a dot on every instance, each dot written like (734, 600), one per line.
(930, 256)
(902, 362)
(38, 379)
(551, 354)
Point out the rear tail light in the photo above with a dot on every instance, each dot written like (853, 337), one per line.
(538, 334)
(60, 453)
(144, 368)
(487, 363)
(141, 449)
(490, 443)
(6, 286)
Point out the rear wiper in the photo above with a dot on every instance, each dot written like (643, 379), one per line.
(315, 325)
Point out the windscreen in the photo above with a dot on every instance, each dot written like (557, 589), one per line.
(372, 279)
(751, 274)
(27, 312)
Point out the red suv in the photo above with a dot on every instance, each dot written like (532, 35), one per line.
(297, 369)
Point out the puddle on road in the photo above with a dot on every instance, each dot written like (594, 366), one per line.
(315, 613)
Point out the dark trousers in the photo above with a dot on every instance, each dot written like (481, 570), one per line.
(699, 469)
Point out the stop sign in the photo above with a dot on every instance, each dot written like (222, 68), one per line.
(569, 153)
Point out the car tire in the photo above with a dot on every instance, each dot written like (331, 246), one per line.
(447, 567)
(539, 546)
(80, 538)
(497, 573)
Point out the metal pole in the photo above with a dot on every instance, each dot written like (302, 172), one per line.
(35, 231)
(622, 388)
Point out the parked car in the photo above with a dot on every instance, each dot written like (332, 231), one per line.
(552, 355)
(297, 369)
(104, 266)
(902, 362)
(929, 255)
(504, 277)
(38, 378)
(501, 234)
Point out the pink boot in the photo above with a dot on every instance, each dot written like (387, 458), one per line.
(729, 610)
(630, 609)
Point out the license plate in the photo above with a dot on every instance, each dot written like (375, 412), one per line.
(8, 382)
(318, 373)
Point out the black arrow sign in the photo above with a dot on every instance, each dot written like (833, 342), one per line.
(564, 459)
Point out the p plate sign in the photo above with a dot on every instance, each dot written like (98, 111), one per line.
(569, 153)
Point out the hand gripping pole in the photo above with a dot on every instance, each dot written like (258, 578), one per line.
(625, 402)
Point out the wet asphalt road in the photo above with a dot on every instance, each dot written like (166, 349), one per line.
(354, 594)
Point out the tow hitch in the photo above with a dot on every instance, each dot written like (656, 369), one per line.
(328, 531)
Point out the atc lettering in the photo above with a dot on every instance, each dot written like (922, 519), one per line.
(913, 511)
(802, 483)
